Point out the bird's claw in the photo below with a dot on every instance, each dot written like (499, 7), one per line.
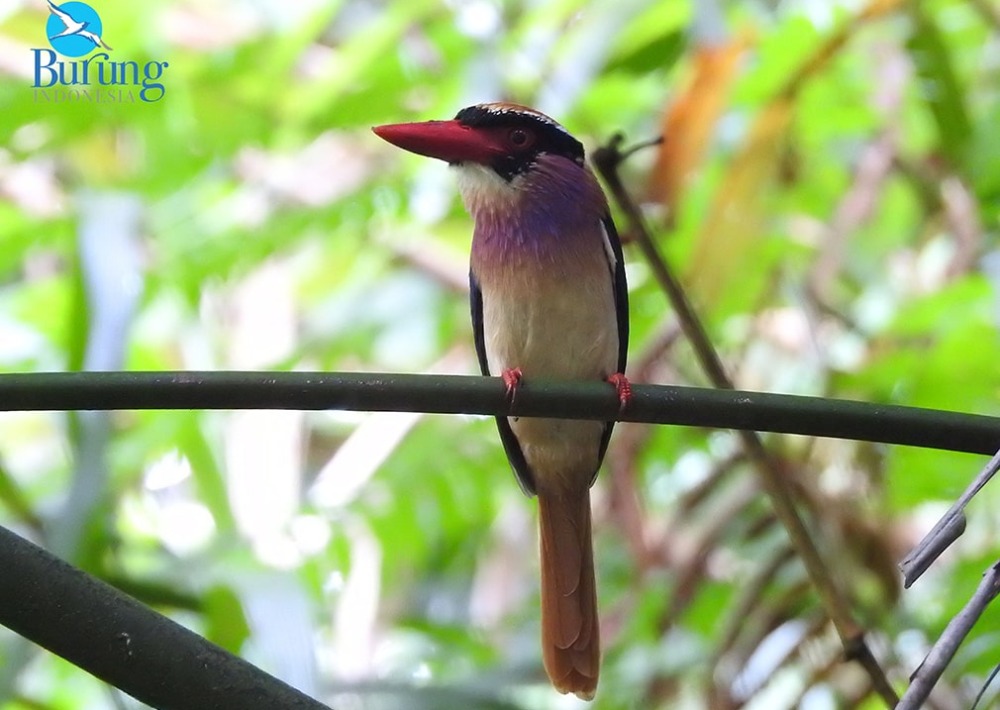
(624, 389)
(511, 379)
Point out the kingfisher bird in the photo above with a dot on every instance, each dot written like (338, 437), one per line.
(549, 300)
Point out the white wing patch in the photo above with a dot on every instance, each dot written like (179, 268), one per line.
(608, 249)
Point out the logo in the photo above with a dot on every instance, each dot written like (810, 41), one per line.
(74, 29)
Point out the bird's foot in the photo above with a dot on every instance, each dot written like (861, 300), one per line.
(624, 389)
(511, 378)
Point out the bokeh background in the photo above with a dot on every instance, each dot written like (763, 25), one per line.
(828, 192)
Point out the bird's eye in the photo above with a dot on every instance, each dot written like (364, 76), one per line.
(519, 138)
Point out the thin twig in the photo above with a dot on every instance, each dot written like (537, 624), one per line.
(460, 394)
(607, 161)
(923, 679)
(948, 529)
(986, 686)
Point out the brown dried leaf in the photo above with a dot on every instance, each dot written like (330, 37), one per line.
(688, 124)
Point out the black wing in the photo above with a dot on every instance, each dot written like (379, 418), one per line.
(510, 445)
(621, 313)
(621, 291)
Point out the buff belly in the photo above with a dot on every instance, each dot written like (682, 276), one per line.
(554, 328)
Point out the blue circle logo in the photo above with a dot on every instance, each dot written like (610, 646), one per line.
(74, 29)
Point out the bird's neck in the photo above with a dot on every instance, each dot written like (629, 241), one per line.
(554, 207)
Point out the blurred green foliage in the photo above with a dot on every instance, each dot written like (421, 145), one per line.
(828, 188)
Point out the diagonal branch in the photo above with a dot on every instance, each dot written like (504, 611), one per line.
(923, 679)
(948, 529)
(125, 643)
(607, 160)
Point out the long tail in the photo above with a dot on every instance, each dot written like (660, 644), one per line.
(571, 647)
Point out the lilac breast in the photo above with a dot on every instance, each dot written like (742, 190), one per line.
(553, 222)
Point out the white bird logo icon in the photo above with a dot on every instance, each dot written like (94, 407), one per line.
(73, 27)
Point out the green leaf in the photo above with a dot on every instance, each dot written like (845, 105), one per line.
(940, 85)
(226, 624)
(659, 53)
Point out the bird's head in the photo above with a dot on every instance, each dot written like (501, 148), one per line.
(503, 151)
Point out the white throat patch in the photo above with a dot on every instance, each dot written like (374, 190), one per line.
(480, 185)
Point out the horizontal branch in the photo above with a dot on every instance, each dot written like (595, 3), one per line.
(452, 394)
(125, 643)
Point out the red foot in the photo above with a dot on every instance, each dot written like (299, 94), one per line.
(624, 389)
(512, 378)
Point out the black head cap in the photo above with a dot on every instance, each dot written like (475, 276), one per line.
(527, 134)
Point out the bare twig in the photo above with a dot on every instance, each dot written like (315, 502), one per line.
(750, 597)
(874, 166)
(986, 685)
(607, 160)
(434, 261)
(961, 213)
(923, 679)
(854, 209)
(948, 529)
